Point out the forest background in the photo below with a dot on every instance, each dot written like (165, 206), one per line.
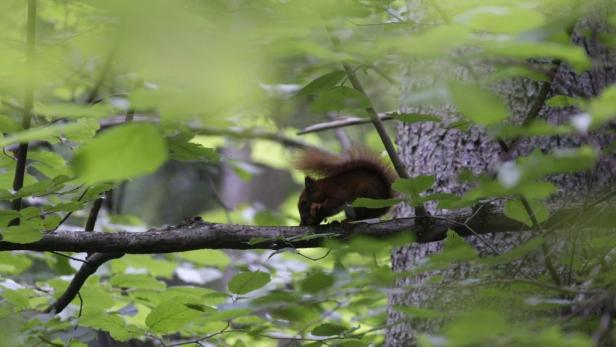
(149, 199)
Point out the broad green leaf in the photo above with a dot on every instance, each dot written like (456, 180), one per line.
(508, 20)
(41, 133)
(85, 131)
(455, 249)
(573, 54)
(603, 108)
(8, 124)
(123, 152)
(206, 257)
(96, 297)
(476, 327)
(328, 329)
(22, 234)
(561, 160)
(515, 210)
(6, 216)
(228, 314)
(477, 104)
(74, 110)
(339, 98)
(153, 265)
(13, 263)
(562, 101)
(413, 186)
(110, 322)
(535, 128)
(323, 82)
(246, 282)
(351, 343)
(136, 281)
(375, 203)
(181, 148)
(317, 281)
(170, 316)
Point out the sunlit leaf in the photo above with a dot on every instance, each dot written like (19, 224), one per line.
(477, 104)
(515, 209)
(328, 329)
(246, 282)
(122, 152)
(325, 81)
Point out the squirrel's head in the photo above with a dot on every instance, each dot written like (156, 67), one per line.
(308, 211)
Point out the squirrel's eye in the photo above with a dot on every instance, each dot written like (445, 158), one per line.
(304, 202)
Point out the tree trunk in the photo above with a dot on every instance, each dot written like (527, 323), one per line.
(430, 148)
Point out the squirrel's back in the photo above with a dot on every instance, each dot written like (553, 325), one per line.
(323, 164)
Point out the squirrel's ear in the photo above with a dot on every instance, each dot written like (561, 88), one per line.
(309, 183)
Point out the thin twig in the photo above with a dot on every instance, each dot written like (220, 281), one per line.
(378, 125)
(69, 257)
(197, 340)
(343, 122)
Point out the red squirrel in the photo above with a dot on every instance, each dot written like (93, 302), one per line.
(356, 173)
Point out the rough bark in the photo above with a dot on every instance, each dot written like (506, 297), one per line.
(430, 148)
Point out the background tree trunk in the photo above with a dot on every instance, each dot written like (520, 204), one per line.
(430, 148)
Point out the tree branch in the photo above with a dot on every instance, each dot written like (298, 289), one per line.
(203, 235)
(343, 122)
(86, 270)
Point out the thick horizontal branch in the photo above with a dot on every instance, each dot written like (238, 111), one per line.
(203, 235)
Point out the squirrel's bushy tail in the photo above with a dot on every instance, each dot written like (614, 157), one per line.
(320, 163)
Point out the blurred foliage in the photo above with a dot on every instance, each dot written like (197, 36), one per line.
(125, 88)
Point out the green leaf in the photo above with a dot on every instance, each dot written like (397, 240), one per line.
(207, 257)
(339, 98)
(74, 110)
(136, 281)
(477, 104)
(476, 328)
(13, 264)
(180, 148)
(515, 210)
(535, 128)
(413, 186)
(42, 133)
(316, 281)
(8, 125)
(328, 329)
(508, 20)
(123, 152)
(170, 316)
(246, 282)
(573, 54)
(415, 118)
(323, 82)
(6, 216)
(374, 203)
(22, 234)
(455, 249)
(562, 101)
(112, 323)
(603, 108)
